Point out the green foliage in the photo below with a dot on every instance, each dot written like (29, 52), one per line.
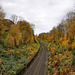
(20, 56)
(73, 52)
(69, 48)
(60, 51)
(73, 60)
(1, 46)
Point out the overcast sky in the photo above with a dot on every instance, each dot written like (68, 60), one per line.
(45, 14)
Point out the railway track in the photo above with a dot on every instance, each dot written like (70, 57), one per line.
(39, 66)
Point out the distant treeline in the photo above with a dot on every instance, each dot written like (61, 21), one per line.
(65, 30)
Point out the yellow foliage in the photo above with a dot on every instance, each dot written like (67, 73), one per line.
(17, 52)
(55, 61)
(9, 41)
(72, 73)
(63, 57)
(0, 62)
(69, 53)
(73, 45)
(65, 37)
(60, 55)
(11, 51)
(52, 63)
(56, 56)
(65, 43)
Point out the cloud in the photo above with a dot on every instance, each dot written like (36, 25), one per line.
(43, 13)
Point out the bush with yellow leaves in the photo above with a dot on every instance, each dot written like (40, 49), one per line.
(73, 44)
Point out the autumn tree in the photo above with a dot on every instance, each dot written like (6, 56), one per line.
(15, 33)
(2, 14)
(26, 30)
(71, 28)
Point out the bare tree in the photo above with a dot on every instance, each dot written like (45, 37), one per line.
(2, 14)
(14, 18)
(70, 15)
(20, 18)
(32, 26)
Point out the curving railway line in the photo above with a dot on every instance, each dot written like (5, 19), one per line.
(39, 66)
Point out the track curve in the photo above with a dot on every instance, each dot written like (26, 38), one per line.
(39, 66)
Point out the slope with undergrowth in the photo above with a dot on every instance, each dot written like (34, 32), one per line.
(18, 44)
(60, 42)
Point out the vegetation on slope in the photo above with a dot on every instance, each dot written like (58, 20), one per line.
(60, 43)
(17, 44)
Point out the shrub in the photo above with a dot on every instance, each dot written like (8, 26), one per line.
(64, 49)
(73, 45)
(73, 52)
(69, 48)
(73, 60)
(58, 46)
(1, 46)
(60, 51)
